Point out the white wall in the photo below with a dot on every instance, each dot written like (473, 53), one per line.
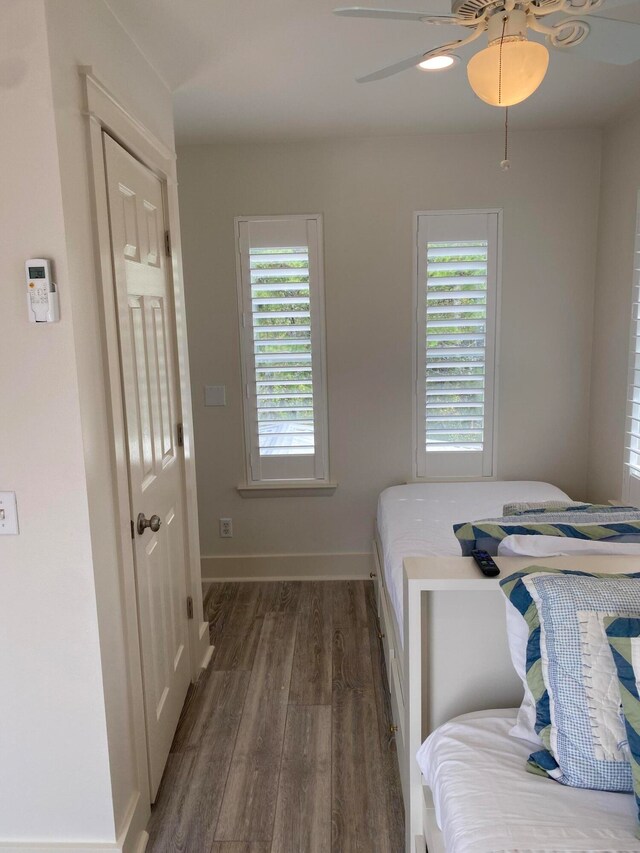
(367, 190)
(619, 194)
(54, 771)
(68, 771)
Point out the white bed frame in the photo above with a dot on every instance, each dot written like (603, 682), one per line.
(455, 658)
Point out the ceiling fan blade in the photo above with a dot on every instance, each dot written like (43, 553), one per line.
(585, 7)
(392, 14)
(392, 69)
(610, 41)
(608, 5)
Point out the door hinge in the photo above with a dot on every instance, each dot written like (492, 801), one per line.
(133, 530)
(180, 430)
(189, 607)
(167, 243)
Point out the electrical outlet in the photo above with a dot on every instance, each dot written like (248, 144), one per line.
(226, 528)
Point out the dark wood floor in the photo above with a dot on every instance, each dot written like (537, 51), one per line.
(284, 745)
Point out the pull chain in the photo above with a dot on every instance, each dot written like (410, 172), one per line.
(506, 163)
(504, 27)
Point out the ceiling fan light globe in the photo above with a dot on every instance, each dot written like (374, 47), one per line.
(440, 62)
(524, 66)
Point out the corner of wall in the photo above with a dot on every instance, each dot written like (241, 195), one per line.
(619, 184)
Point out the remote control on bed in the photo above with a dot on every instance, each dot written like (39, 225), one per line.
(485, 563)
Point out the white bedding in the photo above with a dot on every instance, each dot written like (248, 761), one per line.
(416, 520)
(486, 802)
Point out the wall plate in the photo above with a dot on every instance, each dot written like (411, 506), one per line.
(215, 395)
(8, 514)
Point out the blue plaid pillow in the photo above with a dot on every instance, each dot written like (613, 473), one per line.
(537, 507)
(571, 675)
(623, 634)
(602, 527)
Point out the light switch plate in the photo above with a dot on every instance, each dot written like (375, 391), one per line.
(215, 395)
(8, 514)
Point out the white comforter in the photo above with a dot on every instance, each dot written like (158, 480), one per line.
(486, 802)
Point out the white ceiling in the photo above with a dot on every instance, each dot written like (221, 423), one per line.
(249, 70)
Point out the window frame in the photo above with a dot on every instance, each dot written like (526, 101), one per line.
(255, 479)
(631, 483)
(420, 457)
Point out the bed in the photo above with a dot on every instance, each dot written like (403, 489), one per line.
(417, 520)
(439, 616)
(480, 799)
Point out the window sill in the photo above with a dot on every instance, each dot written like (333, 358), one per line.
(290, 489)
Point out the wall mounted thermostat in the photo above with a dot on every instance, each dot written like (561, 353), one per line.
(42, 294)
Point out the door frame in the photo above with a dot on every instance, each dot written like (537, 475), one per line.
(106, 114)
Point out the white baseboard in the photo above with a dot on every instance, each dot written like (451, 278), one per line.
(57, 847)
(204, 649)
(132, 838)
(206, 660)
(73, 847)
(275, 567)
(142, 843)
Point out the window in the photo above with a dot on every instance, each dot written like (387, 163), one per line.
(631, 480)
(456, 306)
(281, 299)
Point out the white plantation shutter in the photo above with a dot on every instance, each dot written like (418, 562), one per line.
(282, 331)
(631, 480)
(457, 277)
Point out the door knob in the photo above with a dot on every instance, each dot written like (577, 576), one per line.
(153, 523)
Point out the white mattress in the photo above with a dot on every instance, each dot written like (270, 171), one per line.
(486, 801)
(416, 520)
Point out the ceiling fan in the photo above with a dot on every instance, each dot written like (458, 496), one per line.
(512, 67)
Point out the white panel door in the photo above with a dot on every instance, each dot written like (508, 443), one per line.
(147, 333)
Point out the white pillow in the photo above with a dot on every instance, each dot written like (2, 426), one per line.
(518, 637)
(560, 546)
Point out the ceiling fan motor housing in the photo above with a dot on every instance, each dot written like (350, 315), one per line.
(475, 10)
(513, 28)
